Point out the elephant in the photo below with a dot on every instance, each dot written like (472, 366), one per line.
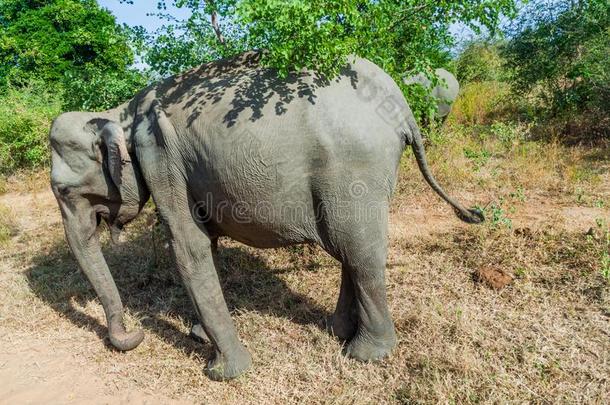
(445, 92)
(232, 149)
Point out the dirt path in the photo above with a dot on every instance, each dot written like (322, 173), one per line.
(37, 372)
(35, 369)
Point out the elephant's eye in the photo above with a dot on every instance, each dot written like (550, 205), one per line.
(62, 189)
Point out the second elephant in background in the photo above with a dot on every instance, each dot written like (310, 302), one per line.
(445, 92)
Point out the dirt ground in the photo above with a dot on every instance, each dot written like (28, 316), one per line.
(544, 337)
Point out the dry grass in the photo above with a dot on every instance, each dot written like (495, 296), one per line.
(542, 339)
(8, 226)
(503, 159)
(27, 181)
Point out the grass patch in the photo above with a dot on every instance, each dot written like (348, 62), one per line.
(25, 181)
(459, 342)
(503, 157)
(8, 226)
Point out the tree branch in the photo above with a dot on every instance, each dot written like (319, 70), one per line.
(408, 13)
(216, 25)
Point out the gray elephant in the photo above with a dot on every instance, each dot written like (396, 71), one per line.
(445, 92)
(231, 149)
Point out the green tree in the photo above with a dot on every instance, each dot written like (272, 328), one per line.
(560, 54)
(480, 61)
(403, 37)
(63, 42)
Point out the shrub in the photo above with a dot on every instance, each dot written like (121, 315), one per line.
(479, 103)
(25, 119)
(41, 40)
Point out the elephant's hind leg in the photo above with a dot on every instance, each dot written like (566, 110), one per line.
(344, 321)
(360, 243)
(375, 337)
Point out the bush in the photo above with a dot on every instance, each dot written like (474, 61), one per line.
(42, 39)
(25, 119)
(561, 58)
(479, 103)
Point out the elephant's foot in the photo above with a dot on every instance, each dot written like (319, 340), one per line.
(198, 334)
(226, 366)
(341, 326)
(366, 347)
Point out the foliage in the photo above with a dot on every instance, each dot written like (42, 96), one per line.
(25, 119)
(561, 55)
(479, 103)
(480, 61)
(497, 215)
(94, 89)
(507, 133)
(403, 37)
(66, 42)
(478, 157)
(180, 45)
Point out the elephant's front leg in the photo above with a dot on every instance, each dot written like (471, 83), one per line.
(197, 331)
(192, 247)
(194, 258)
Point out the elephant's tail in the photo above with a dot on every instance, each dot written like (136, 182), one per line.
(471, 216)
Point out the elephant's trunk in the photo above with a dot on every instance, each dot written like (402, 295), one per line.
(82, 237)
(471, 216)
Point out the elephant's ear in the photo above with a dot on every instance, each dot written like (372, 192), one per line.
(118, 156)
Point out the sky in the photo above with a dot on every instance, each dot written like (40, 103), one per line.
(136, 14)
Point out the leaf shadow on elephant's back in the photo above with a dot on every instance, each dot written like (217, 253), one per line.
(244, 87)
(150, 288)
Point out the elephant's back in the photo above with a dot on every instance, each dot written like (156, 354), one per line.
(238, 106)
(232, 94)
